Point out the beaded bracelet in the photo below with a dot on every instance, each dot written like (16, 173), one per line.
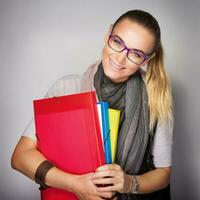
(134, 185)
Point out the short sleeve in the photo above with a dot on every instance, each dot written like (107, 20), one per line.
(29, 130)
(66, 85)
(162, 145)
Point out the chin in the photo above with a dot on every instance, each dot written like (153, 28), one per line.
(116, 77)
(113, 72)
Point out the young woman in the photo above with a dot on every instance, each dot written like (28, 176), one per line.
(143, 158)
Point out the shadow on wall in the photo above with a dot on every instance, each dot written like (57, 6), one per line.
(184, 179)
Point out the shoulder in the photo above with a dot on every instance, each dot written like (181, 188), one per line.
(92, 69)
(69, 79)
(68, 84)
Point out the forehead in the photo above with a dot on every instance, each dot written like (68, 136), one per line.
(134, 35)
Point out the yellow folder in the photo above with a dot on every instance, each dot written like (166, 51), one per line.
(114, 117)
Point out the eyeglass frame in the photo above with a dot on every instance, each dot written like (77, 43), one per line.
(146, 56)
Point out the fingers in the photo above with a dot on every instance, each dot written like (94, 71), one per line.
(108, 167)
(88, 189)
(107, 189)
(106, 195)
(108, 184)
(111, 176)
(110, 170)
(102, 174)
(105, 181)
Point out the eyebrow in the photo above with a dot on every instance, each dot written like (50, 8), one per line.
(131, 48)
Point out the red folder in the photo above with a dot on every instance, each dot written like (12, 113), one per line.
(68, 134)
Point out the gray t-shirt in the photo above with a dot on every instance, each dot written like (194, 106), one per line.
(162, 144)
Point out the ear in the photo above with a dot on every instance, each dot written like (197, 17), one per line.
(108, 34)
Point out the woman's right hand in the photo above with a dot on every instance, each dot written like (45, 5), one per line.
(85, 189)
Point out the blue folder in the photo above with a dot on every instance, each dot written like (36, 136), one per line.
(106, 131)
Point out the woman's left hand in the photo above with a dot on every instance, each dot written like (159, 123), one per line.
(113, 176)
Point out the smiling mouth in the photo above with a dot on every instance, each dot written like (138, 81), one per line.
(116, 66)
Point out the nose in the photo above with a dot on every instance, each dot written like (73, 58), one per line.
(121, 57)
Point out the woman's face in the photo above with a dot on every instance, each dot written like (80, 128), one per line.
(116, 65)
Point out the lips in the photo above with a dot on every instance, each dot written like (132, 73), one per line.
(115, 66)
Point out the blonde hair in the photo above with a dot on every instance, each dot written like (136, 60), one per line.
(159, 90)
(157, 81)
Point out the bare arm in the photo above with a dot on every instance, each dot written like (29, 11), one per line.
(26, 158)
(154, 180)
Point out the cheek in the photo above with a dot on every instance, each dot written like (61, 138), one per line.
(104, 56)
(132, 70)
(106, 52)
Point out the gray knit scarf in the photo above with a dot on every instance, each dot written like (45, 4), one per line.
(131, 98)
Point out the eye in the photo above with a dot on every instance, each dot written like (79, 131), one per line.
(135, 54)
(117, 41)
(115, 44)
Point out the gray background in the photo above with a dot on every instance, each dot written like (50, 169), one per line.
(41, 41)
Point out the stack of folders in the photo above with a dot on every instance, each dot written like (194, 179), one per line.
(109, 120)
(68, 131)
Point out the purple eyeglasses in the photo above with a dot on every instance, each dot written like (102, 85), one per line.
(134, 55)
